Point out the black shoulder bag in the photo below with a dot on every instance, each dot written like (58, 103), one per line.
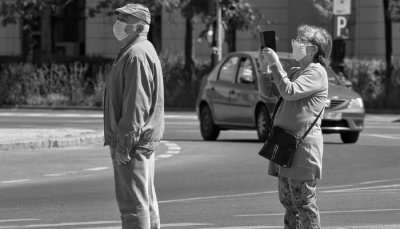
(280, 145)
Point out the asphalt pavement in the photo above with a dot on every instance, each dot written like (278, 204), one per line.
(210, 185)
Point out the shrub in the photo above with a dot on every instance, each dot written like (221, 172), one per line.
(181, 89)
(51, 84)
(368, 78)
(82, 82)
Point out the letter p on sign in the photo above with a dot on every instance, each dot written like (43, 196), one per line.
(341, 30)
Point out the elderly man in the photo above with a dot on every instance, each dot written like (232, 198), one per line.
(134, 117)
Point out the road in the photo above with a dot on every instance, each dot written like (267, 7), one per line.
(210, 185)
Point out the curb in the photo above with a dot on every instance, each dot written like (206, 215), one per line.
(55, 142)
(82, 108)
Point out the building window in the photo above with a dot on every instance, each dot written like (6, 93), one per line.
(68, 29)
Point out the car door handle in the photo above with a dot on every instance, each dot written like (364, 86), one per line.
(212, 89)
(231, 92)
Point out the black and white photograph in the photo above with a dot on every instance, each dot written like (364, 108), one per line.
(200, 114)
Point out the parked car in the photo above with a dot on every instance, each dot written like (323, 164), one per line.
(236, 95)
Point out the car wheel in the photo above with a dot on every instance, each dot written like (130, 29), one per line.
(262, 123)
(209, 131)
(349, 137)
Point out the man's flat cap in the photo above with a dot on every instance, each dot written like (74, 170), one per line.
(136, 10)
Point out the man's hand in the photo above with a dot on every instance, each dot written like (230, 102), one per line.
(122, 158)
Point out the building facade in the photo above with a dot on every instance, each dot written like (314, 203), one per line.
(71, 33)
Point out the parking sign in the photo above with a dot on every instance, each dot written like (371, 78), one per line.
(341, 7)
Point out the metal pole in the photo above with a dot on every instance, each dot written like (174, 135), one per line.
(219, 31)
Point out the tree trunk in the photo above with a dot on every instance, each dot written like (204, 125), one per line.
(231, 39)
(214, 54)
(388, 53)
(46, 37)
(190, 48)
(156, 31)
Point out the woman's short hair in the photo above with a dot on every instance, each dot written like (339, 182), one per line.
(318, 37)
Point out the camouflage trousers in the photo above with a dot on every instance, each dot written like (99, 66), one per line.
(300, 202)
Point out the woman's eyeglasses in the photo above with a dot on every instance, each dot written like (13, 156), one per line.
(301, 42)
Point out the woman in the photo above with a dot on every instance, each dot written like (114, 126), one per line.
(304, 91)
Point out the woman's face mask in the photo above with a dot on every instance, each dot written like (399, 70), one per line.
(119, 29)
(299, 50)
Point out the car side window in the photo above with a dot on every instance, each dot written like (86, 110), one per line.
(228, 70)
(246, 73)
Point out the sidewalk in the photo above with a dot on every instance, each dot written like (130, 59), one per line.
(21, 138)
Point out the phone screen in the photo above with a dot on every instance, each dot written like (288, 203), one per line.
(267, 39)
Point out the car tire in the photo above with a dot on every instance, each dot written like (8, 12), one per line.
(209, 131)
(262, 123)
(349, 137)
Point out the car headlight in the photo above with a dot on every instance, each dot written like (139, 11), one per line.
(356, 103)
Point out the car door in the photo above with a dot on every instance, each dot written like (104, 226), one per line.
(244, 94)
(222, 89)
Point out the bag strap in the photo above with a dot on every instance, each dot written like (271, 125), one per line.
(276, 108)
(309, 129)
(315, 121)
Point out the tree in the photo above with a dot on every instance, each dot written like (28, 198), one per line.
(388, 45)
(155, 6)
(27, 13)
(236, 15)
(324, 7)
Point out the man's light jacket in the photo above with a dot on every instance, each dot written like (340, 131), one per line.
(134, 99)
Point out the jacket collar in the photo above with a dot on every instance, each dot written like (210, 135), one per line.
(134, 41)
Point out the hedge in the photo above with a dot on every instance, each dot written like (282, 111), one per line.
(368, 79)
(81, 82)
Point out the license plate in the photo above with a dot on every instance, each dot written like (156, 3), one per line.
(333, 116)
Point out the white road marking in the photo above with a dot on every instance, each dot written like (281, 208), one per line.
(337, 186)
(189, 116)
(379, 181)
(164, 156)
(375, 226)
(363, 188)
(100, 224)
(388, 188)
(80, 115)
(330, 212)
(173, 225)
(50, 115)
(166, 225)
(382, 226)
(174, 151)
(60, 174)
(17, 220)
(96, 169)
(216, 197)
(15, 181)
(60, 224)
(112, 227)
(244, 227)
(382, 136)
(181, 123)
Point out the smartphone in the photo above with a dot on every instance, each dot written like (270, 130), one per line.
(267, 39)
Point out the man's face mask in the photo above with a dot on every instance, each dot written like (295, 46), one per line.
(299, 50)
(119, 29)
